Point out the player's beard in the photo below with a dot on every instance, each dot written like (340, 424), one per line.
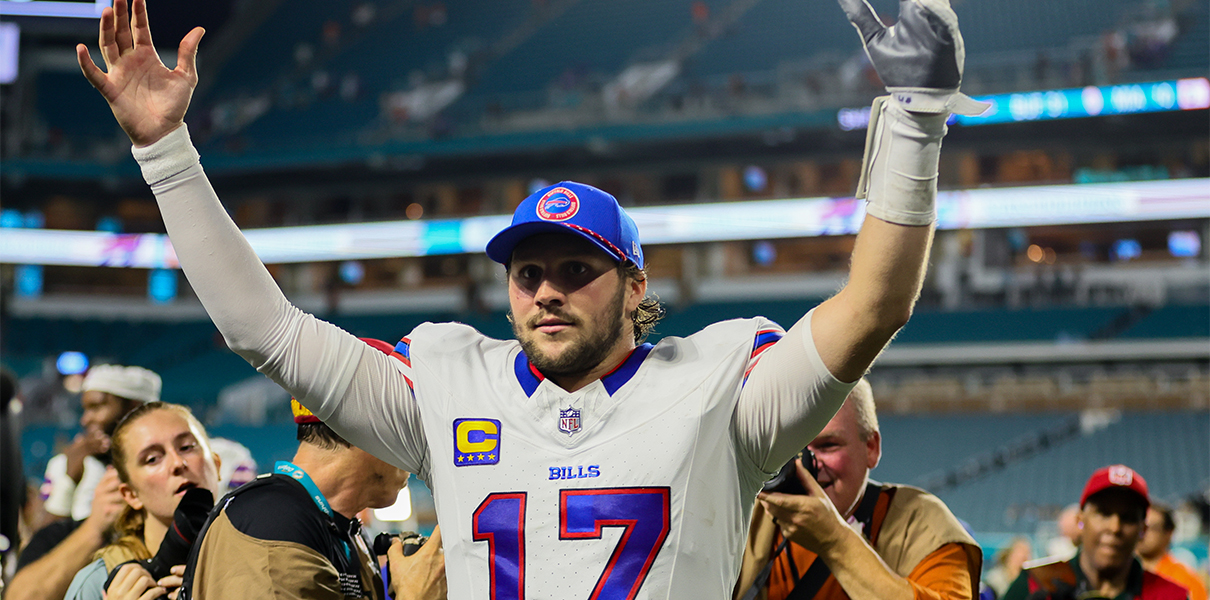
(583, 355)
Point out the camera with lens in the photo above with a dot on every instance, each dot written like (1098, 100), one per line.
(412, 542)
(187, 522)
(786, 481)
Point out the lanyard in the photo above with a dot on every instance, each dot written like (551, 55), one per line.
(286, 467)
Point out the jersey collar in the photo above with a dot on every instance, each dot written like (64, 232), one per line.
(530, 378)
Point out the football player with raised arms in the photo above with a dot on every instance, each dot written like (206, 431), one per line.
(574, 461)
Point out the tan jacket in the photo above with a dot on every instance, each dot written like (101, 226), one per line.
(270, 540)
(916, 523)
(233, 565)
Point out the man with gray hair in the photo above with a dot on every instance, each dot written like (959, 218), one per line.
(851, 537)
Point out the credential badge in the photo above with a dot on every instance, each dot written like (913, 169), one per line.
(569, 420)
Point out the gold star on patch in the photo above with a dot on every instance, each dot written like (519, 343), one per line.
(480, 457)
(491, 457)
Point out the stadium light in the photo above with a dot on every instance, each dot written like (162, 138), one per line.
(82, 9)
(681, 224)
(1071, 103)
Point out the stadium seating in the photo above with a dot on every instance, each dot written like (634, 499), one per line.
(916, 446)
(70, 108)
(773, 32)
(1168, 449)
(1173, 320)
(574, 44)
(381, 55)
(1188, 52)
(992, 26)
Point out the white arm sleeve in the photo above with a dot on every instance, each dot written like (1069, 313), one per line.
(355, 389)
(58, 487)
(788, 399)
(94, 470)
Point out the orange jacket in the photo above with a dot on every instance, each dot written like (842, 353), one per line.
(1181, 575)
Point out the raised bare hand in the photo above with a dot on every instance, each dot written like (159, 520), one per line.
(147, 98)
(91, 442)
(107, 502)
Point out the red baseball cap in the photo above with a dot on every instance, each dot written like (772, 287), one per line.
(1115, 476)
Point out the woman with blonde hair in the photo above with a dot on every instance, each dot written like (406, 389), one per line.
(160, 451)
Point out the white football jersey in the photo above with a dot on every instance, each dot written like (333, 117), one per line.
(630, 488)
(637, 486)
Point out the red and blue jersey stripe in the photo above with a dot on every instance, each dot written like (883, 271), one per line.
(765, 338)
(403, 352)
(530, 378)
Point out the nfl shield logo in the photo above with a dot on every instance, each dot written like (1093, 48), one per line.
(569, 420)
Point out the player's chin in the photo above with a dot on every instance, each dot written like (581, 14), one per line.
(552, 350)
(554, 339)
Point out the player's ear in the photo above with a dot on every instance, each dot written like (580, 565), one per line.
(636, 283)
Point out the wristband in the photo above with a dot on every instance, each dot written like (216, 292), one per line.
(167, 156)
(899, 169)
(928, 100)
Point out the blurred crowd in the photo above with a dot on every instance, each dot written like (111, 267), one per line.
(125, 509)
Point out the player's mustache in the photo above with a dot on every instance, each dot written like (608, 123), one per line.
(548, 313)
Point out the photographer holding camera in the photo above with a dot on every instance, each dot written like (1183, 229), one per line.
(294, 533)
(1111, 523)
(845, 536)
(164, 462)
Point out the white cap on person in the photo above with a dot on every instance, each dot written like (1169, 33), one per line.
(132, 383)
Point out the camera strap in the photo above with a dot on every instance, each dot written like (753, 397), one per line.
(818, 573)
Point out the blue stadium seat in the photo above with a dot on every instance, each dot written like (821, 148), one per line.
(916, 446)
(67, 102)
(1172, 321)
(1170, 450)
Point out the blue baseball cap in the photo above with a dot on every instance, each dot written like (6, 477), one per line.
(569, 207)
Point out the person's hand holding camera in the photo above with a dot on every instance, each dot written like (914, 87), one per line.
(132, 582)
(421, 574)
(809, 520)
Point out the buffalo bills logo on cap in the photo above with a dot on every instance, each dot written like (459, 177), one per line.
(559, 204)
(1121, 475)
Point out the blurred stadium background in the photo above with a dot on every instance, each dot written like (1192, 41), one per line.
(372, 145)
